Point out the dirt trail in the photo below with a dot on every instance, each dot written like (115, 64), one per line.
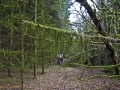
(66, 78)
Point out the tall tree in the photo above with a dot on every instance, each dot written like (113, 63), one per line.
(101, 31)
(35, 61)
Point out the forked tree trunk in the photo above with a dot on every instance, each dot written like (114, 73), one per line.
(101, 31)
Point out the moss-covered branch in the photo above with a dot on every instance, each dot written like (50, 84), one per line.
(87, 37)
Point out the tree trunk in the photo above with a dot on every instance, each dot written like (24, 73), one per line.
(22, 60)
(9, 72)
(42, 63)
(35, 61)
(100, 30)
(11, 45)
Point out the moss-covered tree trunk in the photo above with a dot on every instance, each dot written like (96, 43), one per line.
(35, 61)
(11, 44)
(22, 61)
(101, 31)
(11, 48)
(42, 61)
(22, 51)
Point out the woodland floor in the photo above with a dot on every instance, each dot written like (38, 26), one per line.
(60, 78)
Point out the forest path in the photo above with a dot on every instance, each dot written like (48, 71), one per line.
(66, 78)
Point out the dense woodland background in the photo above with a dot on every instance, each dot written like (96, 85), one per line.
(33, 32)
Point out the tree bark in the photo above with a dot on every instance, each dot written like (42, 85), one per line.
(101, 31)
